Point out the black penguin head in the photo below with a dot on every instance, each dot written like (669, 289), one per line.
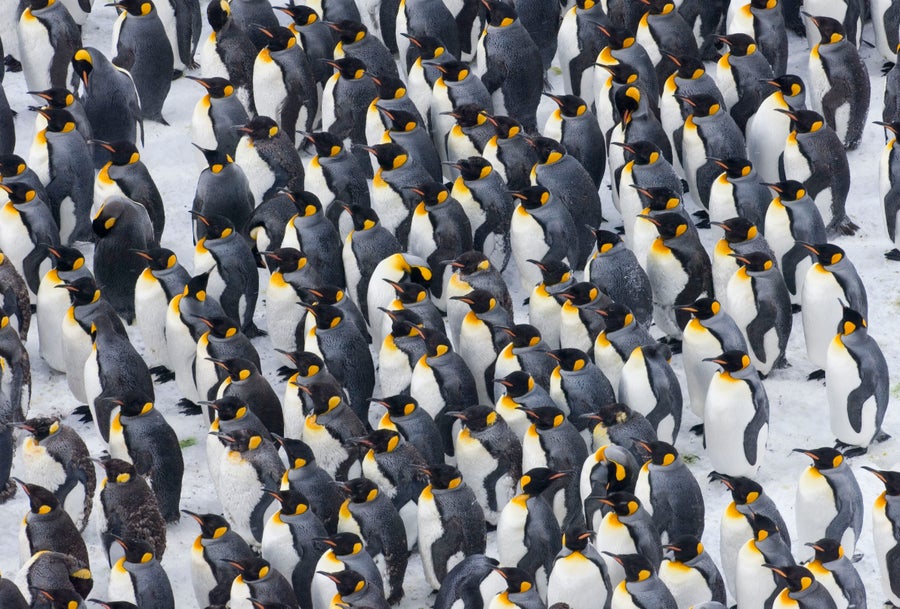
(59, 97)
(216, 86)
(347, 582)
(517, 383)
(83, 65)
(744, 491)
(500, 14)
(731, 361)
(576, 537)
(436, 343)
(293, 502)
(612, 414)
(790, 190)
(581, 293)
(794, 577)
(286, 259)
(822, 458)
(329, 294)
(300, 14)
(349, 31)
(216, 160)
(389, 156)
(304, 362)
(12, 165)
(739, 45)
(669, 225)
(826, 254)
(364, 218)
(738, 230)
(659, 198)
(137, 551)
(361, 490)
(229, 408)
(307, 203)
(432, 194)
(108, 215)
(734, 167)
(405, 323)
(60, 598)
(118, 471)
(533, 197)
(659, 7)
(790, 85)
(553, 272)
(570, 106)
(238, 368)
(217, 227)
(545, 417)
(350, 68)
(40, 428)
(134, 404)
(252, 569)
(121, 152)
(517, 580)
(218, 14)
(325, 396)
(507, 128)
(398, 405)
(570, 360)
(469, 115)
(637, 568)
(299, 454)
(279, 38)
(685, 548)
(41, 500)
(196, 287)
(342, 544)
(618, 37)
(688, 66)
(548, 150)
(380, 440)
(474, 168)
(479, 301)
(642, 152)
(428, 47)
(400, 120)
(851, 322)
(827, 550)
(523, 335)
(622, 73)
(763, 526)
(453, 71)
(476, 418)
(241, 440)
(389, 87)
(756, 262)
(831, 30)
(327, 316)
(212, 526)
(660, 453)
(703, 308)
(443, 477)
(471, 262)
(623, 503)
(409, 292)
(82, 291)
(111, 604)
(805, 121)
(260, 127)
(19, 193)
(701, 105)
(136, 8)
(891, 480)
(536, 480)
(157, 259)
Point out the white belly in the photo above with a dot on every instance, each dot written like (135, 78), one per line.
(150, 308)
(52, 304)
(613, 537)
(734, 532)
(284, 312)
(527, 242)
(698, 344)
(328, 449)
(574, 580)
(476, 348)
(36, 52)
(210, 60)
(15, 241)
(754, 582)
(259, 175)
(687, 585)
(430, 531)
(883, 534)
(842, 377)
(394, 370)
(821, 312)
(424, 387)
(77, 347)
(238, 484)
(515, 418)
(267, 77)
(182, 350)
(278, 546)
(818, 79)
(510, 533)
(543, 314)
(202, 576)
(120, 585)
(202, 133)
(815, 507)
(387, 204)
(727, 412)
(766, 134)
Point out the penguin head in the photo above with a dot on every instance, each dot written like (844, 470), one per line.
(684, 548)
(60, 598)
(473, 168)
(739, 45)
(238, 368)
(582, 293)
(545, 417)
(827, 550)
(517, 580)
(831, 30)
(517, 383)
(40, 428)
(852, 322)
(432, 194)
(196, 287)
(731, 361)
(688, 67)
(755, 262)
(342, 544)
(293, 502)
(299, 454)
(700, 105)
(83, 65)
(610, 415)
(576, 537)
(241, 440)
(791, 86)
(409, 292)
(428, 47)
(703, 308)
(380, 441)
(389, 87)
(826, 254)
(618, 38)
(469, 115)
(20, 194)
(389, 156)
(121, 153)
(523, 336)
(659, 7)
(364, 218)
(738, 230)
(137, 551)
(279, 38)
(637, 568)
(398, 405)
(252, 569)
(570, 360)
(548, 150)
(112, 604)
(327, 316)
(216, 86)
(659, 198)
(118, 471)
(300, 14)
(304, 362)
(476, 418)
(307, 203)
(157, 259)
(443, 477)
(82, 291)
(536, 480)
(507, 128)
(330, 294)
(58, 97)
(891, 480)
(553, 272)
(218, 14)
(471, 262)
(348, 582)
(660, 453)
(794, 577)
(212, 526)
(533, 197)
(789, 190)
(734, 167)
(229, 408)
(744, 491)
(824, 458)
(361, 490)
(436, 343)
(764, 4)
(135, 8)
(401, 121)
(479, 301)
(216, 160)
(805, 121)
(642, 152)
(500, 14)
(404, 322)
(893, 127)
(349, 68)
(260, 128)
(452, 71)
(325, 397)
(570, 106)
(763, 527)
(349, 31)
(134, 404)
(37, 5)
(622, 73)
(40, 500)
(107, 216)
(220, 327)
(669, 225)
(217, 227)
(11, 165)
(286, 259)
(623, 503)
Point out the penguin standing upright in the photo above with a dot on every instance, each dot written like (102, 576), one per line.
(129, 508)
(755, 583)
(282, 69)
(648, 384)
(139, 576)
(125, 174)
(884, 525)
(48, 527)
(738, 192)
(140, 40)
(690, 573)
(641, 586)
(579, 577)
(257, 580)
(577, 386)
(305, 476)
(268, 158)
(765, 22)
(671, 494)
(48, 38)
(767, 130)
(314, 36)
(252, 15)
(414, 424)
(343, 551)
(743, 73)
(574, 126)
(525, 351)
(836, 573)
(228, 51)
(521, 591)
(211, 573)
(63, 99)
(889, 178)
(245, 382)
(217, 116)
(223, 189)
(28, 233)
(615, 344)
(162, 280)
(839, 81)
(615, 269)
(456, 86)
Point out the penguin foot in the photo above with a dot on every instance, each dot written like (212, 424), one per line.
(674, 344)
(856, 557)
(189, 408)
(162, 374)
(894, 255)
(395, 597)
(12, 64)
(697, 429)
(849, 453)
(685, 188)
(8, 492)
(701, 214)
(620, 230)
(83, 413)
(795, 308)
(886, 67)
(176, 74)
(251, 331)
(285, 372)
(847, 226)
(703, 224)
(880, 437)
(816, 375)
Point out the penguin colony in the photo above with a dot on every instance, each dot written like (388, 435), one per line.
(377, 191)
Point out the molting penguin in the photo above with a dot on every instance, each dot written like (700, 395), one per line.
(268, 158)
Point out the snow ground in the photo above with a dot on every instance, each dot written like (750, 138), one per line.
(798, 407)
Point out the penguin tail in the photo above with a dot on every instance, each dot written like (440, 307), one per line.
(252, 331)
(285, 372)
(8, 491)
(189, 408)
(845, 226)
(83, 413)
